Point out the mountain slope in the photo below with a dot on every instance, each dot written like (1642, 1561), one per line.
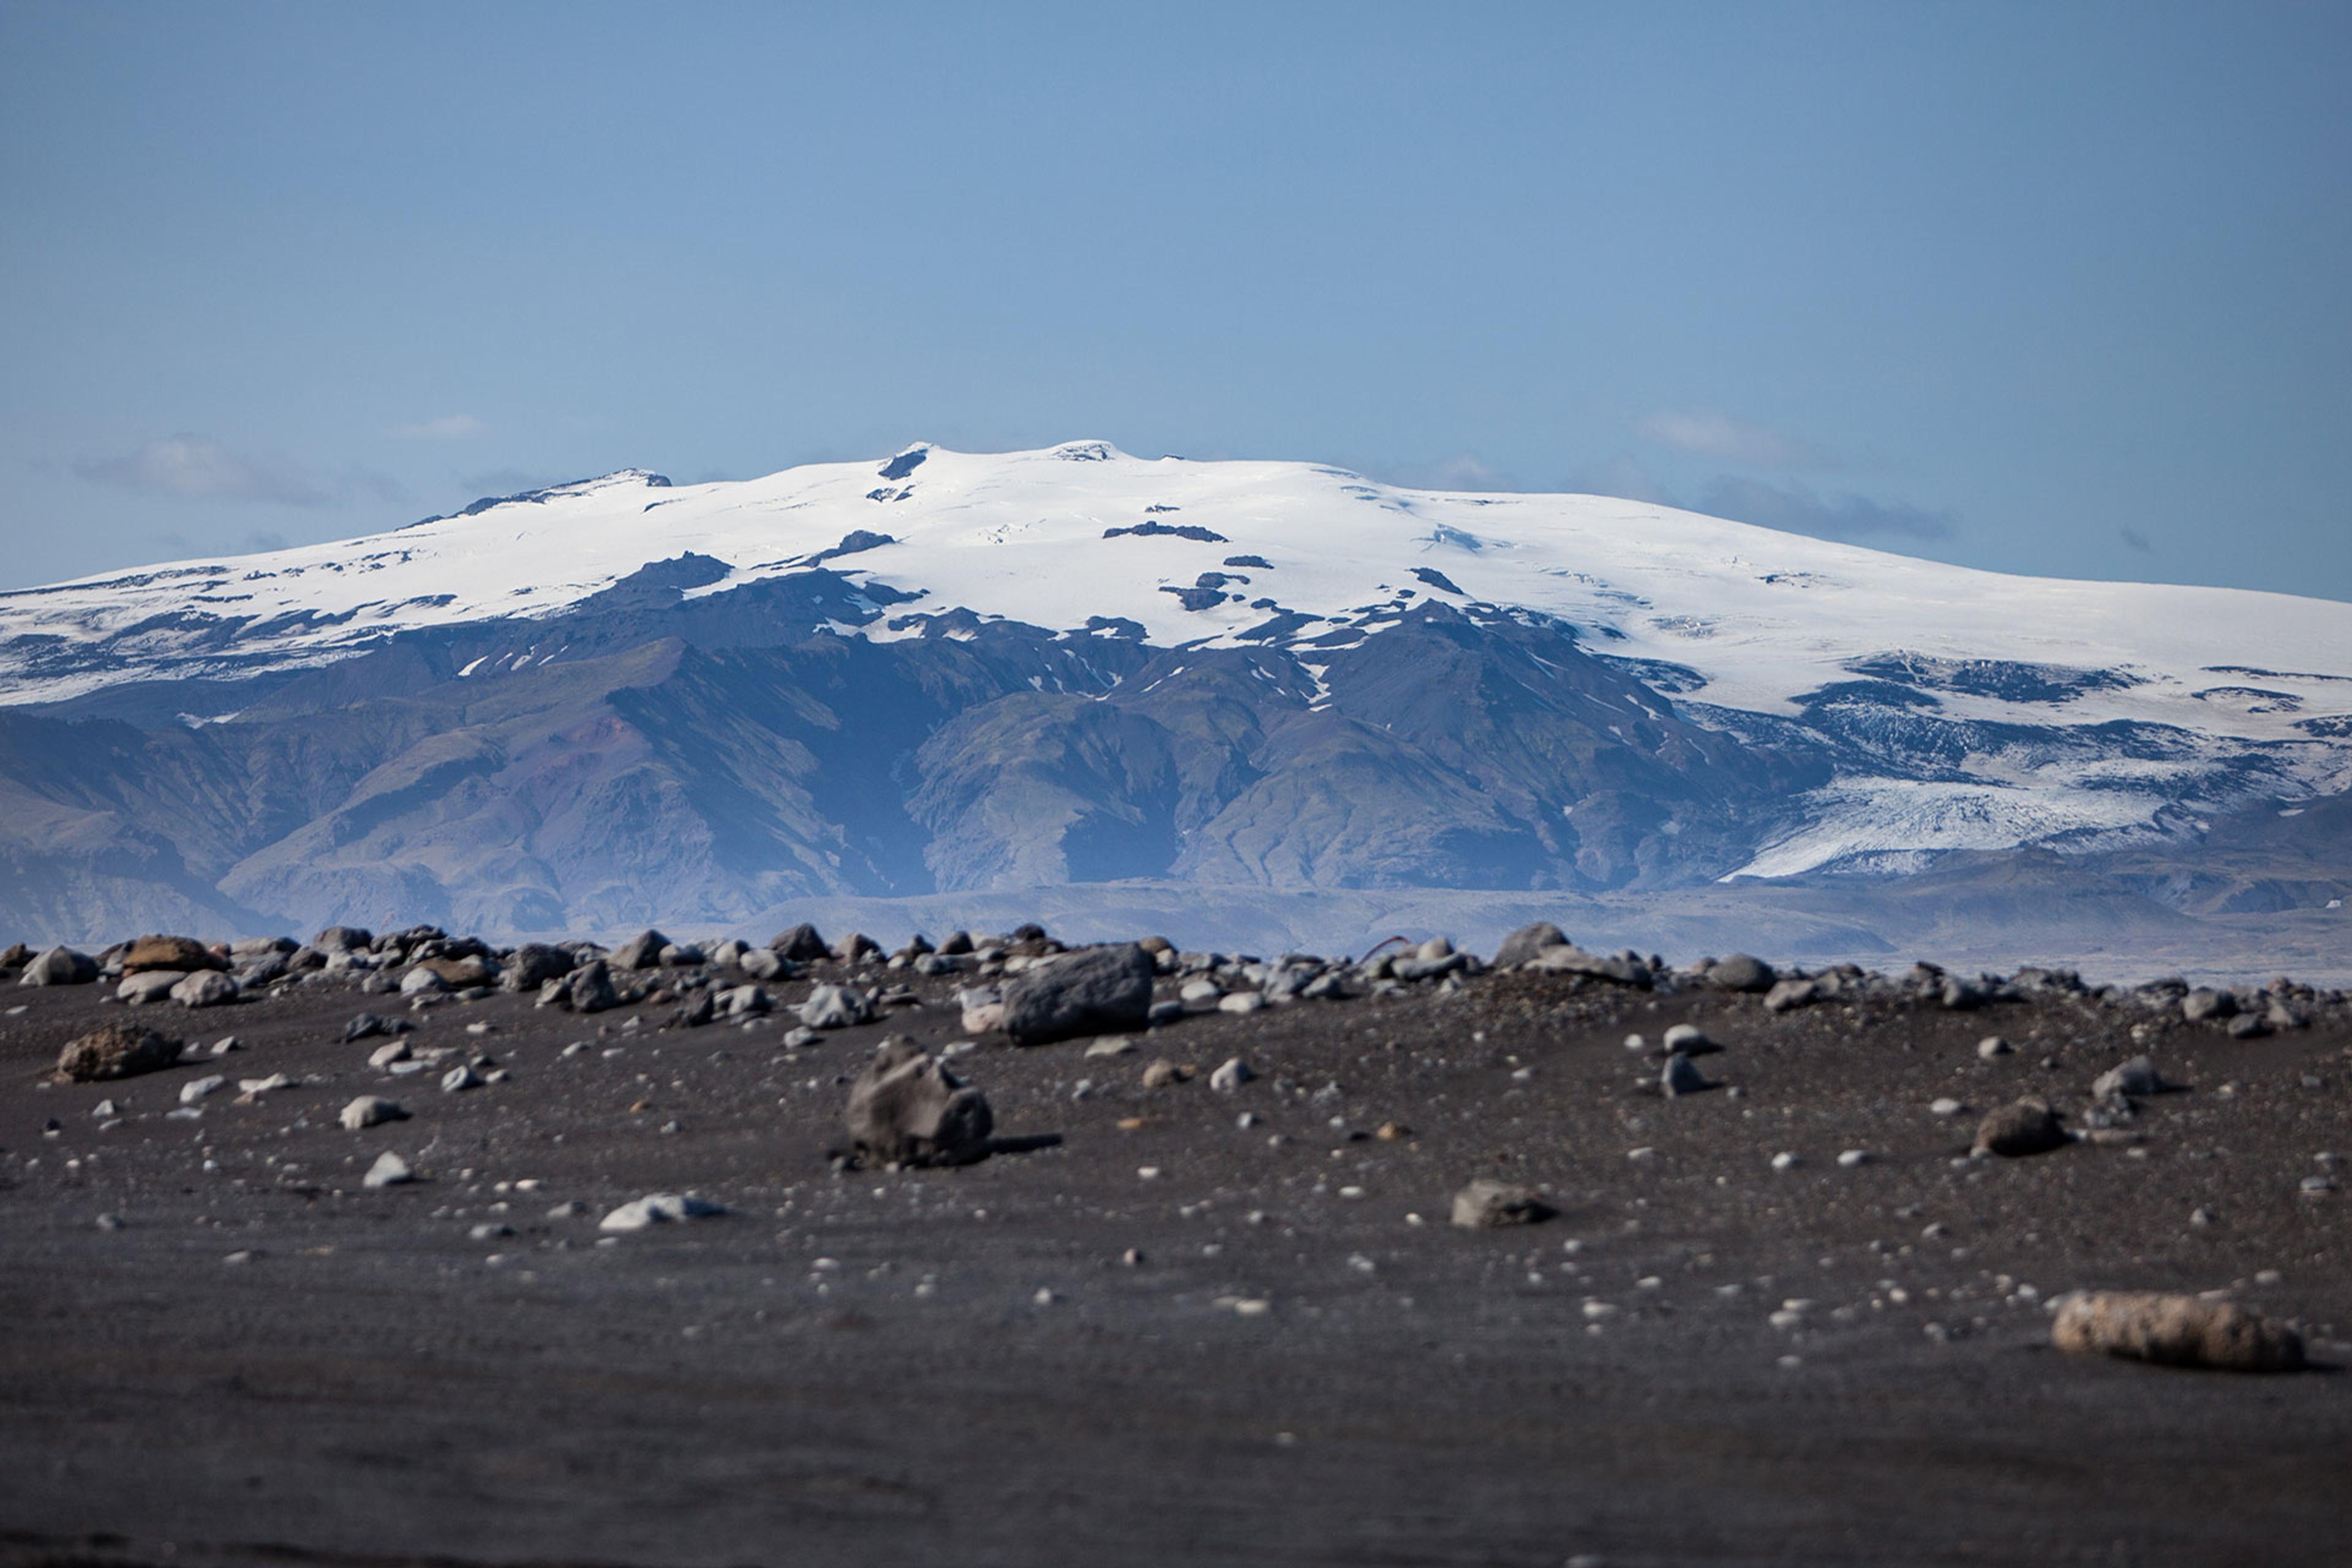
(624, 701)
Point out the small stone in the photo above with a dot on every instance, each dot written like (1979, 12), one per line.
(1681, 1076)
(1993, 1046)
(1485, 1204)
(1785, 1161)
(389, 1170)
(1946, 1106)
(2025, 1127)
(2135, 1079)
(1110, 1046)
(1690, 1040)
(368, 1110)
(1849, 1158)
(2201, 1004)
(457, 1078)
(1163, 1073)
(659, 1208)
(1241, 1003)
(385, 1056)
(1235, 1073)
(197, 1088)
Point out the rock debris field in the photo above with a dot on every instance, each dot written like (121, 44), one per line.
(402, 1249)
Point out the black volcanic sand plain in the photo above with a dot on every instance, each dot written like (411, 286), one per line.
(268, 1364)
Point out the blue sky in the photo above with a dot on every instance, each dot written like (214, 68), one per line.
(2059, 290)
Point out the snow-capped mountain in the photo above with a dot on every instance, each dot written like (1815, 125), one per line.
(945, 670)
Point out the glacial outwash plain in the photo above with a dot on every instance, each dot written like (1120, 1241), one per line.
(1058, 1007)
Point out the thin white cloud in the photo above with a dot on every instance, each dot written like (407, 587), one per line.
(1621, 475)
(1732, 440)
(197, 466)
(1793, 509)
(449, 427)
(1464, 473)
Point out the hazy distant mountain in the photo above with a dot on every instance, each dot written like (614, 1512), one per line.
(623, 700)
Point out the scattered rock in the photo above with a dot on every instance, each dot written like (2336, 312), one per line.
(206, 988)
(1527, 941)
(1681, 1076)
(1690, 1040)
(1787, 996)
(389, 1170)
(2174, 1330)
(1742, 972)
(369, 1111)
(1241, 1003)
(458, 1079)
(587, 989)
(60, 966)
(1235, 1073)
(1111, 1045)
(149, 986)
(195, 1090)
(422, 980)
(178, 953)
(836, 1008)
(1162, 1074)
(643, 950)
(2201, 1004)
(803, 945)
(367, 1026)
(1993, 1046)
(2136, 1078)
(660, 1208)
(118, 1050)
(1099, 990)
(532, 965)
(1485, 1204)
(905, 1108)
(2024, 1127)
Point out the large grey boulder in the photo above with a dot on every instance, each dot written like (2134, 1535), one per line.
(343, 939)
(587, 989)
(800, 944)
(1527, 941)
(533, 964)
(118, 1050)
(643, 950)
(760, 964)
(205, 988)
(907, 1110)
(147, 986)
(1742, 972)
(1096, 990)
(835, 1007)
(60, 966)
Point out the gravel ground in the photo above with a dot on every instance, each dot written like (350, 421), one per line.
(1698, 1359)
